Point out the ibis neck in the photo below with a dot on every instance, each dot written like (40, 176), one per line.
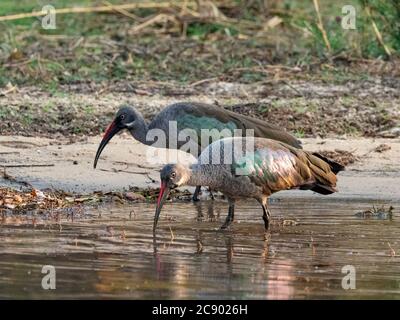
(140, 128)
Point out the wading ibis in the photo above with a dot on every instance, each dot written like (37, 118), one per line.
(269, 166)
(195, 116)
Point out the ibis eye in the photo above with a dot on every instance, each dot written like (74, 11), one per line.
(122, 116)
(173, 175)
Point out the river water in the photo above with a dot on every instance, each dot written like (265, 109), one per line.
(110, 252)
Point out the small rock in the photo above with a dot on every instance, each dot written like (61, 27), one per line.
(289, 223)
(382, 148)
(132, 196)
(75, 162)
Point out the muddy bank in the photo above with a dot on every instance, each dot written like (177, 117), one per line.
(368, 108)
(126, 164)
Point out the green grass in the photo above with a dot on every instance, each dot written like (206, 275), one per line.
(89, 110)
(362, 40)
(48, 107)
(202, 30)
(27, 119)
(299, 133)
(209, 49)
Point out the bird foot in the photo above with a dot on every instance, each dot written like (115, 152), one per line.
(195, 199)
(226, 225)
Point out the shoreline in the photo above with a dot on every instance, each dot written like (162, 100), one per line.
(59, 165)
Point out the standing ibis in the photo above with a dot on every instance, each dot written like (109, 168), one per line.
(268, 167)
(194, 116)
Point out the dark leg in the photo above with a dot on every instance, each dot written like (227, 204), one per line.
(231, 213)
(266, 216)
(196, 194)
(211, 194)
(266, 213)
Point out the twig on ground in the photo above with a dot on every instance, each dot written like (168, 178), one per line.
(129, 6)
(29, 165)
(293, 88)
(125, 171)
(194, 84)
(122, 11)
(152, 20)
(9, 89)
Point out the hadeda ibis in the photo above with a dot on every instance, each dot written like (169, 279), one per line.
(195, 116)
(269, 166)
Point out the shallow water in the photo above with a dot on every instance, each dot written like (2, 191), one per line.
(110, 252)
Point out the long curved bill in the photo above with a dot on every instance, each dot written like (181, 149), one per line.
(111, 130)
(164, 192)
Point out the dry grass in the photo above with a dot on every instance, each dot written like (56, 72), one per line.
(189, 41)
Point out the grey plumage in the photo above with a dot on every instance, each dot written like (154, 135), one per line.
(186, 114)
(193, 117)
(254, 168)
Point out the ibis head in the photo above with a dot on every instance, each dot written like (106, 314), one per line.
(172, 176)
(124, 119)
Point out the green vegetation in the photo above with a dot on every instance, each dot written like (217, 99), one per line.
(361, 42)
(230, 40)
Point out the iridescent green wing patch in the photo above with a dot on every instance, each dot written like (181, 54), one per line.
(215, 127)
(266, 166)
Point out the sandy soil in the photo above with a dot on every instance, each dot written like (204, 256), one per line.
(124, 164)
